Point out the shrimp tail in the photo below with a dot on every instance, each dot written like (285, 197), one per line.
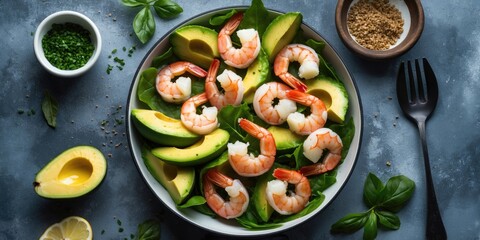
(219, 179)
(197, 71)
(283, 174)
(294, 82)
(330, 162)
(233, 23)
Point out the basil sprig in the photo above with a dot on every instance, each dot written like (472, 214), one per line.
(148, 230)
(144, 22)
(384, 201)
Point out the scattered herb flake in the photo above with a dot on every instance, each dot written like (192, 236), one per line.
(20, 111)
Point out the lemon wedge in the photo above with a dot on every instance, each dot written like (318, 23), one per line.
(71, 228)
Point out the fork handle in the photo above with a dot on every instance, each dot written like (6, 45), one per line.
(435, 228)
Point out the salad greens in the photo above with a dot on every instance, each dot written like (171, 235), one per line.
(255, 16)
(144, 22)
(383, 201)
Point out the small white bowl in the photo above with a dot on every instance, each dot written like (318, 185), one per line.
(60, 18)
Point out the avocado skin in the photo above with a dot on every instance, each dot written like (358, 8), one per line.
(205, 150)
(280, 32)
(179, 188)
(147, 128)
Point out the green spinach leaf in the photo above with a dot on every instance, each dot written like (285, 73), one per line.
(167, 9)
(164, 59)
(193, 201)
(256, 16)
(50, 109)
(218, 20)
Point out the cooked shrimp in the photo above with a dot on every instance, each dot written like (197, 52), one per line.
(231, 83)
(316, 142)
(263, 103)
(238, 202)
(300, 124)
(305, 55)
(293, 201)
(177, 91)
(247, 164)
(238, 57)
(199, 123)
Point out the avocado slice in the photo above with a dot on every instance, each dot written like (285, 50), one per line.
(196, 44)
(159, 128)
(284, 138)
(280, 32)
(259, 196)
(257, 74)
(178, 181)
(206, 149)
(333, 94)
(73, 173)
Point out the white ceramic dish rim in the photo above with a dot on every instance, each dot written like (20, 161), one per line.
(230, 227)
(63, 17)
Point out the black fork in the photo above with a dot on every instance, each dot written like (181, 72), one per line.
(417, 94)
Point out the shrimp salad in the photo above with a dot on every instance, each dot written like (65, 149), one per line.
(253, 181)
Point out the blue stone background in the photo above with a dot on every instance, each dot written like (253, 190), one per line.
(450, 40)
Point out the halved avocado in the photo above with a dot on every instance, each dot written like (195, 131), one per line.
(333, 94)
(159, 128)
(196, 44)
(206, 149)
(284, 138)
(73, 173)
(178, 181)
(257, 74)
(259, 196)
(280, 32)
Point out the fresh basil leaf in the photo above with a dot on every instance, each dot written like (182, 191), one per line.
(167, 9)
(350, 223)
(144, 24)
(346, 131)
(319, 183)
(134, 3)
(372, 189)
(370, 229)
(256, 16)
(251, 220)
(388, 220)
(50, 109)
(149, 230)
(318, 46)
(193, 201)
(218, 20)
(398, 190)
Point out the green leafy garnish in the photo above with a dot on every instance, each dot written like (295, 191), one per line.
(144, 22)
(382, 200)
(149, 230)
(50, 109)
(218, 20)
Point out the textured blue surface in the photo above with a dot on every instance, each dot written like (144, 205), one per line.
(450, 40)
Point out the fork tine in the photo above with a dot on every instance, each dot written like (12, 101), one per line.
(402, 84)
(420, 79)
(411, 79)
(431, 82)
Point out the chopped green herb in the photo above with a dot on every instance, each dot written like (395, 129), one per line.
(104, 122)
(102, 232)
(67, 46)
(120, 230)
(119, 222)
(118, 121)
(114, 51)
(119, 61)
(124, 49)
(20, 111)
(109, 68)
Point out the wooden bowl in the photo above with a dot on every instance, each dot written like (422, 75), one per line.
(412, 14)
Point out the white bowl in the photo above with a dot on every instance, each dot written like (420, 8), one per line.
(230, 227)
(64, 17)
